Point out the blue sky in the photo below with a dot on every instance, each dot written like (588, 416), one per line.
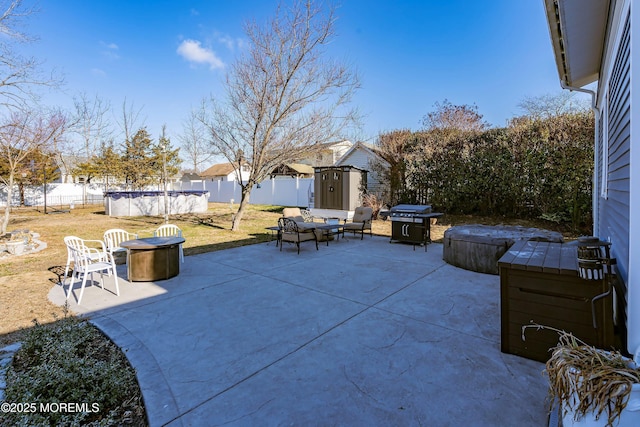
(166, 56)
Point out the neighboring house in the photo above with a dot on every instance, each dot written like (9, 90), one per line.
(598, 40)
(66, 165)
(328, 155)
(190, 177)
(365, 157)
(225, 172)
(190, 181)
(293, 170)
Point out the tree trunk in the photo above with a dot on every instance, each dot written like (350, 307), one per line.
(244, 202)
(21, 190)
(7, 209)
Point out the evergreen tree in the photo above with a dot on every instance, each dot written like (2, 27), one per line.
(139, 161)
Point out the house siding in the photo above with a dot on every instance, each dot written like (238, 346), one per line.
(362, 159)
(614, 208)
(599, 159)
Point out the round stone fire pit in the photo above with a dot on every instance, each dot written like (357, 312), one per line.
(20, 242)
(478, 247)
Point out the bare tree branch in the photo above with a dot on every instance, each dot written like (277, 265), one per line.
(130, 121)
(19, 76)
(454, 117)
(194, 143)
(23, 134)
(551, 105)
(283, 97)
(90, 122)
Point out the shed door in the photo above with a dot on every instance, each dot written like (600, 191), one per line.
(332, 189)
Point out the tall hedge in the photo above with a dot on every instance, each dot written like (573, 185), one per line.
(532, 168)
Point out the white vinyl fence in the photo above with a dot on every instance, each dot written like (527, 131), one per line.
(57, 195)
(280, 191)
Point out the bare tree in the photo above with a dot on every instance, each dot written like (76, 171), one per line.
(552, 105)
(18, 75)
(195, 144)
(454, 117)
(25, 131)
(90, 122)
(24, 134)
(283, 97)
(130, 121)
(394, 148)
(92, 128)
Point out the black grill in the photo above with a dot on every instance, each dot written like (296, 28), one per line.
(411, 223)
(408, 211)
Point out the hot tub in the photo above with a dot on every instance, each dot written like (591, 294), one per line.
(151, 203)
(478, 247)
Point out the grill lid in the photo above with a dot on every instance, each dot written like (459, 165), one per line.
(416, 209)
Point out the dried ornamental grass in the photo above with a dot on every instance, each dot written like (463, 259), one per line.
(588, 380)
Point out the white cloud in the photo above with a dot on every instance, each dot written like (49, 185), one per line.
(192, 51)
(98, 72)
(110, 50)
(227, 41)
(230, 42)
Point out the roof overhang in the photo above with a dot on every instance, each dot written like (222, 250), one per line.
(578, 31)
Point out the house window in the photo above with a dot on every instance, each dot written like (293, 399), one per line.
(245, 168)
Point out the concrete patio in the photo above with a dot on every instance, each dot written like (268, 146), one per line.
(356, 333)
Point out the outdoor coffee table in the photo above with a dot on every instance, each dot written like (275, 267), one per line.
(329, 230)
(152, 258)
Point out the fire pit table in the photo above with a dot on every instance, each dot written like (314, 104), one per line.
(152, 258)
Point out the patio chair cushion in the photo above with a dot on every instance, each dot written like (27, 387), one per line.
(292, 213)
(291, 232)
(361, 220)
(354, 226)
(298, 237)
(296, 215)
(362, 214)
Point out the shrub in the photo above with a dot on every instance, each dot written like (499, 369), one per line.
(534, 168)
(374, 202)
(70, 361)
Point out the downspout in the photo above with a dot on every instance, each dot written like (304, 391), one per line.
(596, 164)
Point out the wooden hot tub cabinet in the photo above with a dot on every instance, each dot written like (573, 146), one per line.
(153, 258)
(539, 283)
